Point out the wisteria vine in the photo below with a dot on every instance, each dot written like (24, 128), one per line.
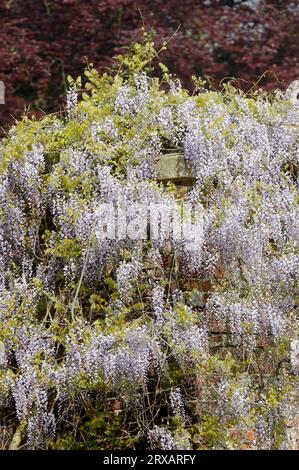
(171, 348)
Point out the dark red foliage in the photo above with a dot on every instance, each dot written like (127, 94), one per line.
(42, 41)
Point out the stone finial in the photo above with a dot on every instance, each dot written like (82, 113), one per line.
(292, 92)
(173, 167)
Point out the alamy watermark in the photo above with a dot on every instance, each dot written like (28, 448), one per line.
(158, 222)
(2, 92)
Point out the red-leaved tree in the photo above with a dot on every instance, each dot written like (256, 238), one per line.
(42, 41)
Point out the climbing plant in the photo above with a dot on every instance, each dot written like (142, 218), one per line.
(118, 342)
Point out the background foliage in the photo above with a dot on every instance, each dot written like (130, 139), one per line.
(42, 41)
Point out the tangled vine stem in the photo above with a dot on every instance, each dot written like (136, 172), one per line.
(18, 436)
